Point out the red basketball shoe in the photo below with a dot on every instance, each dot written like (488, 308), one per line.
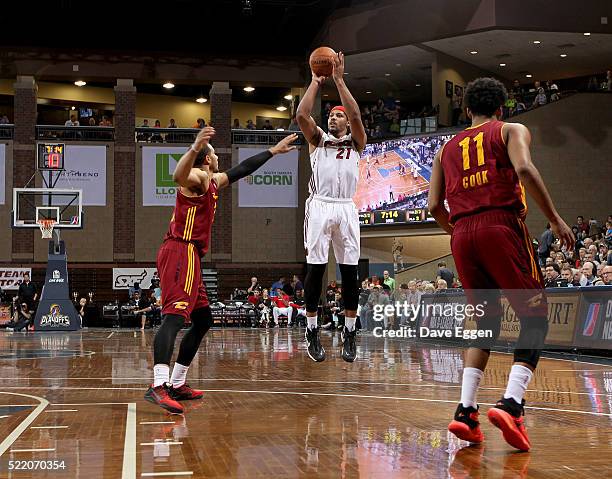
(160, 395)
(465, 425)
(507, 415)
(185, 393)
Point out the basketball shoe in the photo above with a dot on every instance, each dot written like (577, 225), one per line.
(465, 425)
(185, 393)
(315, 348)
(507, 415)
(349, 345)
(160, 395)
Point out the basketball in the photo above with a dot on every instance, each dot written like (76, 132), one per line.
(322, 61)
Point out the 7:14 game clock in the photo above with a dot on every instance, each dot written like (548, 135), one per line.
(51, 156)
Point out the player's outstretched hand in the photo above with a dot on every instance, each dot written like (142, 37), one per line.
(338, 73)
(319, 80)
(284, 145)
(203, 137)
(564, 233)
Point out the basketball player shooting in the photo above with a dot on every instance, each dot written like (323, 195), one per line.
(178, 262)
(483, 173)
(330, 213)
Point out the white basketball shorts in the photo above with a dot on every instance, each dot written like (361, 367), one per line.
(331, 219)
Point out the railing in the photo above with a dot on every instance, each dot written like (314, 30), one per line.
(165, 135)
(75, 133)
(263, 137)
(6, 132)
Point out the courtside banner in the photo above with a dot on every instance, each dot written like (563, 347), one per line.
(158, 165)
(2, 173)
(10, 278)
(124, 278)
(274, 185)
(86, 171)
(595, 318)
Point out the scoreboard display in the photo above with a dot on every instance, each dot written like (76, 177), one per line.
(51, 156)
(398, 216)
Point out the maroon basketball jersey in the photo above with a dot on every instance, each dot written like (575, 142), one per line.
(478, 173)
(193, 217)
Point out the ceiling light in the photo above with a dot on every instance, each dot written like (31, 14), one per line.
(288, 97)
(73, 108)
(502, 64)
(397, 101)
(368, 91)
(248, 89)
(536, 42)
(528, 75)
(398, 64)
(346, 73)
(387, 74)
(473, 52)
(587, 34)
(281, 108)
(168, 85)
(201, 100)
(418, 84)
(325, 94)
(80, 83)
(563, 55)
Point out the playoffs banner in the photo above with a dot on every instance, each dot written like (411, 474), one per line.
(2, 172)
(158, 165)
(86, 171)
(124, 278)
(10, 278)
(274, 185)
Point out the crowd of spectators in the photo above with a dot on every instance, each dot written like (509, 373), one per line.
(521, 99)
(588, 264)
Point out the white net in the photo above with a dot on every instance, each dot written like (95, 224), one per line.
(46, 228)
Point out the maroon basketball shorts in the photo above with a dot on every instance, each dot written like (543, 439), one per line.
(493, 251)
(178, 264)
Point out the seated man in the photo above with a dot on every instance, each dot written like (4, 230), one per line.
(141, 307)
(281, 307)
(299, 303)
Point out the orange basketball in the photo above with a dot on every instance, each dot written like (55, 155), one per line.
(322, 61)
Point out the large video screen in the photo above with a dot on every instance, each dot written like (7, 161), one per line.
(394, 180)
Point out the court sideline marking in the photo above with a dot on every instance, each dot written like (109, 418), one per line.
(129, 445)
(15, 433)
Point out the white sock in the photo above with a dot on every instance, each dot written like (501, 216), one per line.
(312, 322)
(469, 386)
(517, 382)
(350, 323)
(179, 374)
(161, 374)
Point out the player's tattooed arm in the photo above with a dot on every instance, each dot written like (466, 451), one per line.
(437, 194)
(311, 131)
(184, 174)
(350, 105)
(252, 164)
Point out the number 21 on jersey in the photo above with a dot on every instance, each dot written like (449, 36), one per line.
(340, 155)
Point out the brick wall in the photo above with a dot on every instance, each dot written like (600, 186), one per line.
(125, 171)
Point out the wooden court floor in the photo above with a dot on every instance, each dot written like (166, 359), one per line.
(270, 412)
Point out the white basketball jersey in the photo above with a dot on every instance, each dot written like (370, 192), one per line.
(335, 167)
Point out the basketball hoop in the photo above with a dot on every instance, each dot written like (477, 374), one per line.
(46, 228)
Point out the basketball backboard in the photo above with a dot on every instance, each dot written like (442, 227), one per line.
(64, 206)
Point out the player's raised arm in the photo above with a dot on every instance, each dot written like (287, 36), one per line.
(311, 131)
(518, 140)
(437, 194)
(252, 164)
(350, 105)
(184, 174)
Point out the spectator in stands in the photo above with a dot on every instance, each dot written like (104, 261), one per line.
(21, 317)
(288, 288)
(264, 308)
(389, 281)
(134, 289)
(581, 225)
(105, 121)
(457, 108)
(510, 106)
(293, 126)
(592, 250)
(141, 307)
(91, 121)
(145, 124)
(254, 285)
(555, 93)
(28, 293)
(281, 307)
(441, 284)
(553, 277)
(379, 300)
(172, 123)
(588, 271)
(567, 274)
(156, 137)
(296, 283)
(377, 133)
(236, 124)
(540, 98)
(267, 125)
(4, 120)
(606, 275)
(299, 303)
(517, 90)
(73, 121)
(277, 285)
(546, 240)
(445, 273)
(250, 125)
